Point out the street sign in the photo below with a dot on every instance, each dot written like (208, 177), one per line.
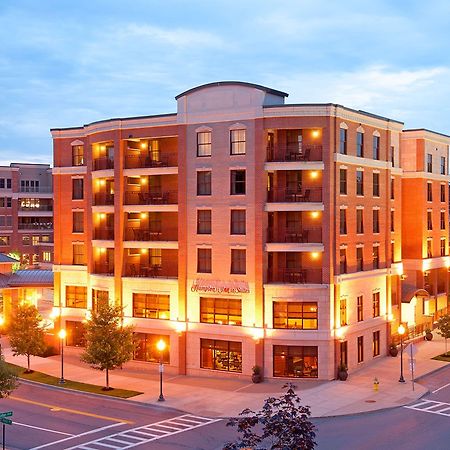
(6, 421)
(411, 350)
(6, 414)
(412, 364)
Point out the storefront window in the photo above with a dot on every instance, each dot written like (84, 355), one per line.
(295, 361)
(223, 311)
(151, 306)
(221, 355)
(146, 347)
(75, 334)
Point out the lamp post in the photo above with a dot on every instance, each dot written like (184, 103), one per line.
(62, 335)
(161, 346)
(401, 331)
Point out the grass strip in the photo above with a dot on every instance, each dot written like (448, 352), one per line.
(444, 357)
(40, 377)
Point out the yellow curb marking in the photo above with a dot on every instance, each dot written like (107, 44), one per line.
(73, 411)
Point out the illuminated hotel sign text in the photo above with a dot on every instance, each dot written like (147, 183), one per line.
(219, 287)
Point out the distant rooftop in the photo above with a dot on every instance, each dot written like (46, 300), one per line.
(5, 259)
(31, 277)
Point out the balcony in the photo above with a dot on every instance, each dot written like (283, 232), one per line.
(102, 163)
(35, 225)
(151, 198)
(146, 234)
(35, 208)
(287, 153)
(103, 198)
(102, 268)
(146, 161)
(282, 195)
(152, 271)
(36, 189)
(151, 263)
(296, 275)
(104, 234)
(303, 235)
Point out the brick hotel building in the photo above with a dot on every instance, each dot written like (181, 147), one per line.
(245, 231)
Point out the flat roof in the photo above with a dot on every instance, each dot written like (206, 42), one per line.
(427, 130)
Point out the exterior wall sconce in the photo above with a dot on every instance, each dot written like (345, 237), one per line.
(403, 276)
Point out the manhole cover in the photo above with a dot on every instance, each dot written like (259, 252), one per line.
(371, 401)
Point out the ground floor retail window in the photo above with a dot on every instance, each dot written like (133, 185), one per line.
(146, 349)
(221, 355)
(295, 361)
(75, 334)
(223, 311)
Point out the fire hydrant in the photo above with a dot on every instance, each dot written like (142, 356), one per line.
(376, 383)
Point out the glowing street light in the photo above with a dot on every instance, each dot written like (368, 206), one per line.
(161, 346)
(401, 331)
(62, 335)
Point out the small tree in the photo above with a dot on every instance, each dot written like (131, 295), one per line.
(26, 335)
(8, 379)
(443, 325)
(109, 344)
(283, 423)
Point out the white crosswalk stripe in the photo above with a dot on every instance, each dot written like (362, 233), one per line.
(432, 407)
(146, 433)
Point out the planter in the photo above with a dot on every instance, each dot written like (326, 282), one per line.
(257, 378)
(393, 351)
(342, 375)
(428, 336)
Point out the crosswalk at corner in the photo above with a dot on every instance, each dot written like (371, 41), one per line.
(431, 407)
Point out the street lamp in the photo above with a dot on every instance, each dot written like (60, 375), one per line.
(161, 346)
(401, 331)
(62, 335)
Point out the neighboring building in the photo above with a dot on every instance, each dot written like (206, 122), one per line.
(241, 230)
(26, 213)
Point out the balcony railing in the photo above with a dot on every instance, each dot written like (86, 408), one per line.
(106, 234)
(282, 153)
(300, 196)
(103, 163)
(102, 198)
(151, 198)
(36, 209)
(36, 226)
(145, 234)
(295, 276)
(307, 235)
(141, 161)
(151, 271)
(36, 189)
(103, 269)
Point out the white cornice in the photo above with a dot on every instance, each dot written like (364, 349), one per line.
(364, 162)
(425, 134)
(426, 175)
(75, 170)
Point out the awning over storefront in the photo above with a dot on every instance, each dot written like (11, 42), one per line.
(408, 293)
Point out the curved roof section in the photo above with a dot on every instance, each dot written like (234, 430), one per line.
(233, 83)
(33, 277)
(7, 259)
(411, 291)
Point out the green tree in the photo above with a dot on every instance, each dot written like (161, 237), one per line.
(443, 325)
(109, 344)
(26, 335)
(282, 424)
(8, 379)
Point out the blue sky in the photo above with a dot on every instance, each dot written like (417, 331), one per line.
(66, 63)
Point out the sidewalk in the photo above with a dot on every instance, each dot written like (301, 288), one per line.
(218, 397)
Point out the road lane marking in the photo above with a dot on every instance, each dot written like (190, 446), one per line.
(442, 387)
(96, 430)
(440, 408)
(69, 410)
(107, 441)
(42, 429)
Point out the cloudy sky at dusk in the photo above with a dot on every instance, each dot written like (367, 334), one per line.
(66, 63)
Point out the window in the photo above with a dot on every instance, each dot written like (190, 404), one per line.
(26, 239)
(360, 349)
(35, 240)
(295, 361)
(100, 299)
(375, 257)
(443, 220)
(47, 256)
(359, 259)
(360, 144)
(204, 182)
(343, 311)
(77, 189)
(237, 182)
(343, 181)
(5, 202)
(77, 221)
(429, 192)
(429, 163)
(204, 260)
(443, 252)
(443, 166)
(392, 155)
(376, 221)
(76, 332)
(76, 297)
(5, 183)
(146, 349)
(343, 260)
(392, 220)
(343, 141)
(295, 315)
(359, 221)
(4, 240)
(238, 263)
(221, 355)
(79, 255)
(237, 225)
(359, 182)
(77, 155)
(204, 143)
(204, 221)
(429, 248)
(442, 192)
(151, 306)
(359, 308)
(237, 142)
(343, 353)
(376, 184)
(376, 147)
(429, 220)
(376, 343)
(376, 304)
(5, 221)
(343, 221)
(392, 188)
(222, 311)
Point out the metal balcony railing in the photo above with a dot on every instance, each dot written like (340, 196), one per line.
(102, 163)
(295, 276)
(106, 234)
(102, 198)
(141, 161)
(151, 198)
(299, 196)
(308, 235)
(285, 153)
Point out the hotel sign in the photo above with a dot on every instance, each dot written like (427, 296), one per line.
(220, 287)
